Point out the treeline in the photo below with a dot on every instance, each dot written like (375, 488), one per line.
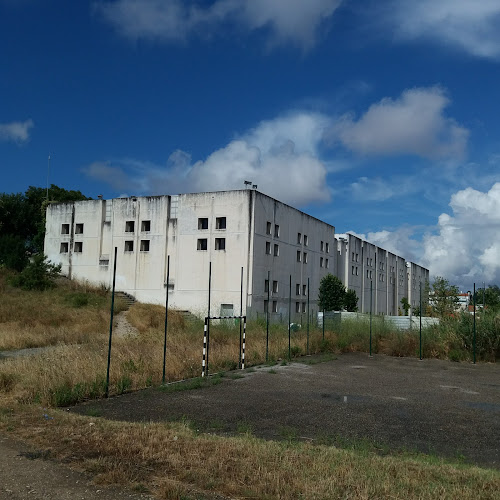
(22, 222)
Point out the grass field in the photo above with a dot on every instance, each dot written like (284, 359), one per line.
(171, 460)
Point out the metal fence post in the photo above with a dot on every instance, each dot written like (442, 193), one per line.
(166, 320)
(111, 324)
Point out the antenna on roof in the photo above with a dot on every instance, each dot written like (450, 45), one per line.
(254, 186)
(247, 183)
(48, 171)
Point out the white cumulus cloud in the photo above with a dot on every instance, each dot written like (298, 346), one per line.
(287, 21)
(414, 123)
(280, 156)
(16, 131)
(470, 25)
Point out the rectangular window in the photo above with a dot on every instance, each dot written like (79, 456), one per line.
(352, 270)
(266, 286)
(266, 306)
(275, 287)
(268, 227)
(78, 247)
(144, 245)
(129, 226)
(368, 261)
(353, 256)
(79, 228)
(64, 228)
(367, 273)
(326, 263)
(276, 231)
(268, 248)
(276, 250)
(305, 240)
(64, 248)
(371, 274)
(321, 262)
(220, 223)
(322, 246)
(297, 289)
(327, 247)
(220, 243)
(275, 306)
(357, 257)
(305, 258)
(129, 246)
(371, 262)
(202, 244)
(146, 226)
(299, 256)
(299, 238)
(297, 307)
(357, 271)
(303, 307)
(304, 290)
(202, 222)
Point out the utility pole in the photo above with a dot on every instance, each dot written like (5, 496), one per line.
(48, 172)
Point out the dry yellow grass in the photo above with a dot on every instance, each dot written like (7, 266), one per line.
(172, 462)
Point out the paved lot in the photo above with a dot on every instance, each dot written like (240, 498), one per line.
(450, 409)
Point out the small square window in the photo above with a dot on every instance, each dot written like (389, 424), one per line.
(322, 246)
(129, 226)
(299, 238)
(78, 247)
(327, 247)
(321, 262)
(305, 258)
(297, 289)
(220, 243)
(275, 306)
(266, 286)
(297, 307)
(64, 228)
(64, 247)
(268, 248)
(299, 256)
(146, 226)
(266, 306)
(202, 244)
(276, 250)
(220, 223)
(144, 245)
(305, 240)
(304, 290)
(129, 246)
(79, 228)
(275, 287)
(303, 307)
(203, 223)
(268, 228)
(276, 231)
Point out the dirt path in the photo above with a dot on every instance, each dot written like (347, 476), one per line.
(28, 474)
(445, 408)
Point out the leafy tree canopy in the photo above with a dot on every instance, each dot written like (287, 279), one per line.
(444, 297)
(22, 222)
(39, 274)
(490, 297)
(331, 293)
(351, 301)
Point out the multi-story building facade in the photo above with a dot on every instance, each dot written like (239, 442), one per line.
(275, 253)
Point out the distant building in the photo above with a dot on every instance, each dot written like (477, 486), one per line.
(246, 229)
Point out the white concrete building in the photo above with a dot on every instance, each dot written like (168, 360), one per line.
(233, 230)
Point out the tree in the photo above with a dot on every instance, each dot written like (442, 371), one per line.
(22, 222)
(490, 297)
(39, 274)
(406, 305)
(444, 298)
(331, 293)
(351, 301)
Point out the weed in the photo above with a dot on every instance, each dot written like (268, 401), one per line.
(123, 384)
(93, 412)
(288, 433)
(273, 372)
(244, 428)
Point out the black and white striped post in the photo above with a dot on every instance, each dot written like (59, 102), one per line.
(243, 344)
(203, 363)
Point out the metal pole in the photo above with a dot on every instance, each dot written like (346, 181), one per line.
(289, 318)
(267, 313)
(166, 320)
(323, 324)
(474, 339)
(244, 341)
(371, 291)
(307, 349)
(208, 326)
(48, 172)
(111, 323)
(484, 297)
(241, 311)
(420, 321)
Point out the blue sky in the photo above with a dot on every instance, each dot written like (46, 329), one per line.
(379, 117)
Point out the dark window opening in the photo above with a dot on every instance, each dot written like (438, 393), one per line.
(220, 223)
(220, 243)
(146, 226)
(144, 245)
(203, 223)
(64, 247)
(79, 228)
(64, 228)
(202, 244)
(129, 226)
(129, 246)
(78, 247)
